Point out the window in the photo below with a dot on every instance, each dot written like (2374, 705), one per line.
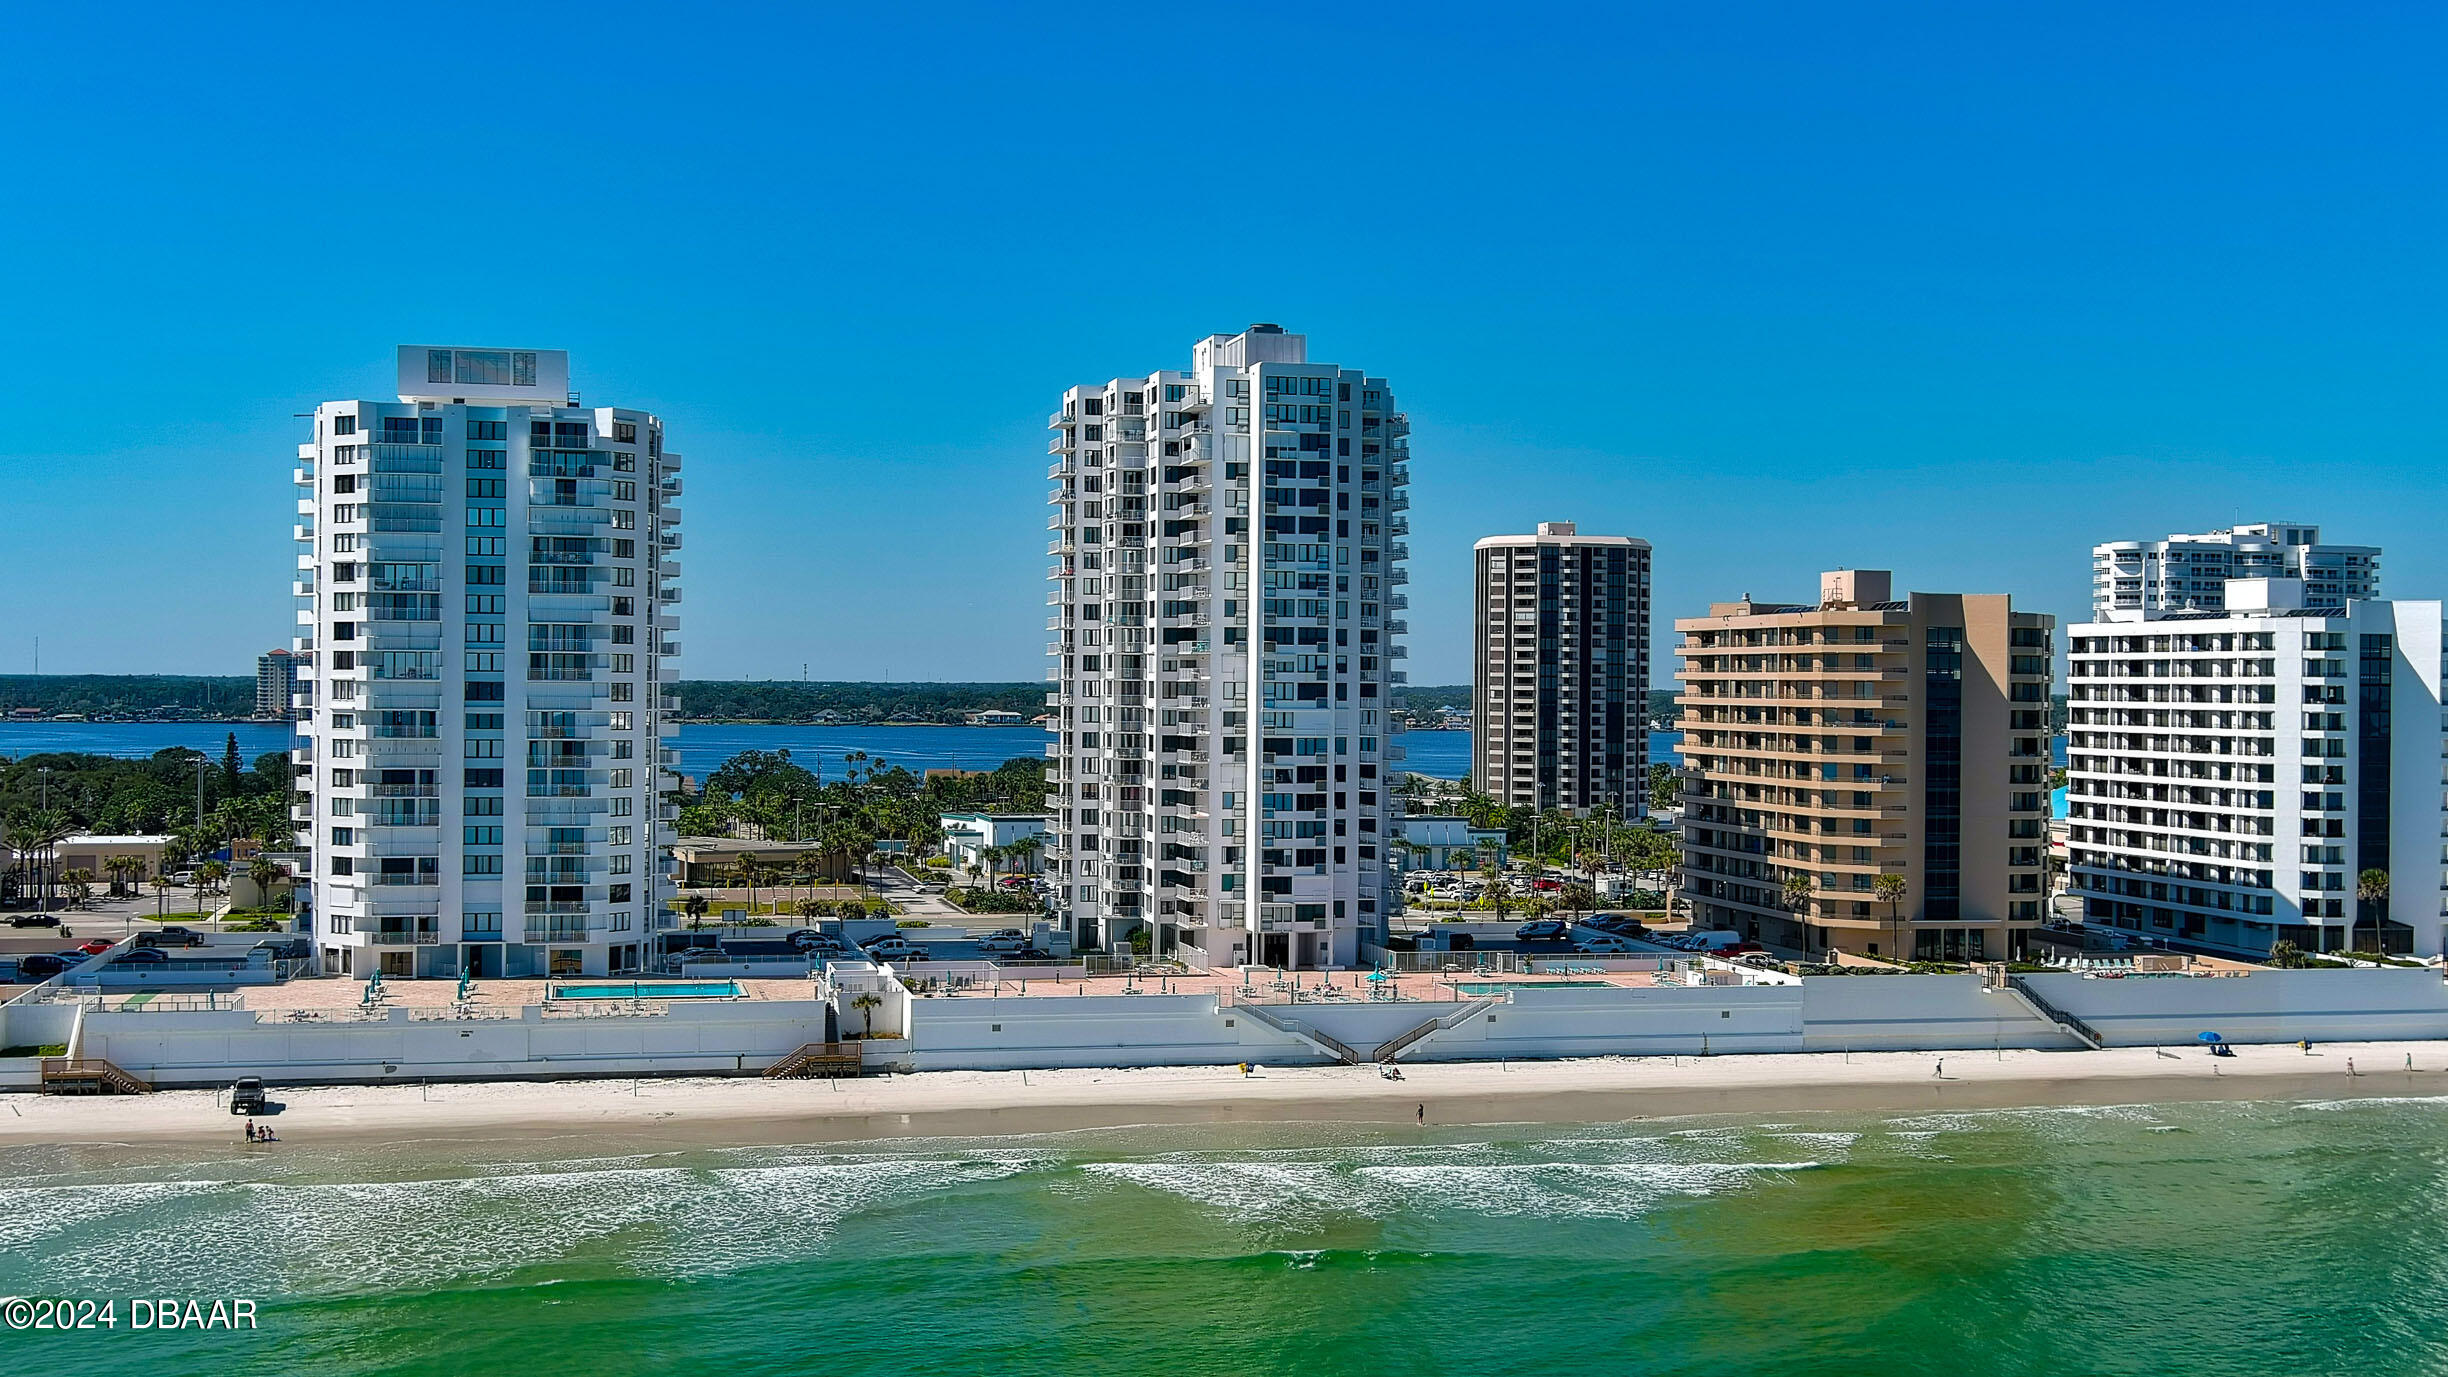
(480, 863)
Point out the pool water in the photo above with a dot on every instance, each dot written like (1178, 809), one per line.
(695, 989)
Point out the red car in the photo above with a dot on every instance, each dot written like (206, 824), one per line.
(94, 947)
(1546, 884)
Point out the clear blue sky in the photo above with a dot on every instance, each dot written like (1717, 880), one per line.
(1947, 288)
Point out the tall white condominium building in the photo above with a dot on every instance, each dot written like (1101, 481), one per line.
(2231, 774)
(485, 591)
(1227, 591)
(2189, 573)
(276, 686)
(1561, 691)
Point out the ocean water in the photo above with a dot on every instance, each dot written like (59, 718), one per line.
(2237, 1239)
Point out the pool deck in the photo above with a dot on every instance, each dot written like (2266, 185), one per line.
(333, 995)
(1344, 986)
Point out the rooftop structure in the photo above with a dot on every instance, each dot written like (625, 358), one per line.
(2189, 573)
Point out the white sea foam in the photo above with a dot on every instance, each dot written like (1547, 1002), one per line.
(1281, 1192)
(666, 1221)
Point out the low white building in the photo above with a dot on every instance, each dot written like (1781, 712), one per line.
(1441, 840)
(2232, 774)
(968, 836)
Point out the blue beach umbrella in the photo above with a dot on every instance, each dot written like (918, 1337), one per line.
(2212, 1038)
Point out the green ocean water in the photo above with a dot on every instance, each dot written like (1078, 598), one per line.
(2231, 1239)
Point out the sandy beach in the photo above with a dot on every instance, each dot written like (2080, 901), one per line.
(702, 1112)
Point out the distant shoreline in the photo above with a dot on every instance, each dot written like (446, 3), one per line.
(735, 1112)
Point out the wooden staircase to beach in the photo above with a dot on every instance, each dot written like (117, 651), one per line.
(817, 1060)
(89, 1076)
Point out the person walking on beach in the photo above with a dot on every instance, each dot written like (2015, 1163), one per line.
(1423, 1116)
(2350, 1066)
(1939, 1072)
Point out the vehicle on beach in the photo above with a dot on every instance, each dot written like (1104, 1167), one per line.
(247, 1095)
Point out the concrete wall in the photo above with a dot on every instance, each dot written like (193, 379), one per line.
(1900, 1013)
(211, 1048)
(1016, 1031)
(2265, 1006)
(1623, 1022)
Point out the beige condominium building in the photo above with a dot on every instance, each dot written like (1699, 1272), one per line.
(1561, 681)
(1828, 746)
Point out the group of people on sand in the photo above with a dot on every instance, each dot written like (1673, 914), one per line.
(255, 1134)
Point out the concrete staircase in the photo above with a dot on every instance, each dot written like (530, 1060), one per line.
(1388, 1051)
(1326, 1043)
(2032, 999)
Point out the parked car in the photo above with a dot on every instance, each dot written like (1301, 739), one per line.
(892, 947)
(1016, 881)
(247, 1095)
(287, 948)
(170, 937)
(1603, 946)
(1543, 930)
(41, 965)
(34, 920)
(1544, 885)
(94, 946)
(145, 956)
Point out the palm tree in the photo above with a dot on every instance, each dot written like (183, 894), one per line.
(867, 1004)
(695, 907)
(812, 908)
(211, 873)
(264, 874)
(750, 872)
(1026, 848)
(1797, 895)
(1890, 887)
(126, 872)
(2372, 889)
(80, 884)
(44, 832)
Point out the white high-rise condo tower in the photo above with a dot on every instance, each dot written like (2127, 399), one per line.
(1561, 681)
(2232, 775)
(2189, 573)
(485, 586)
(1227, 590)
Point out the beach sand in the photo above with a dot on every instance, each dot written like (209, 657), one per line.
(697, 1112)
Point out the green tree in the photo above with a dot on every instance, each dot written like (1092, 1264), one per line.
(210, 874)
(2371, 894)
(229, 765)
(1890, 888)
(1796, 891)
(1665, 786)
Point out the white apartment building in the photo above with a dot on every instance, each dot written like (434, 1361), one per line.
(1561, 657)
(276, 686)
(2231, 774)
(2189, 573)
(1227, 597)
(486, 595)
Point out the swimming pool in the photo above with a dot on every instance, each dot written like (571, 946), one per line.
(1510, 986)
(694, 989)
